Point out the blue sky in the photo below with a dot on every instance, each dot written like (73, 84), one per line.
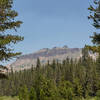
(49, 23)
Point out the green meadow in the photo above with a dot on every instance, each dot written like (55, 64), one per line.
(8, 98)
(16, 98)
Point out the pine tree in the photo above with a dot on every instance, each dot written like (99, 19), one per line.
(38, 64)
(95, 17)
(8, 22)
(85, 55)
(32, 94)
(66, 90)
(23, 93)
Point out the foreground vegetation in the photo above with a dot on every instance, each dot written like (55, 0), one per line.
(16, 98)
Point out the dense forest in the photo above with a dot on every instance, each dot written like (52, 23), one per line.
(69, 80)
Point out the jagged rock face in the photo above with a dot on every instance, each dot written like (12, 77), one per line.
(52, 52)
(57, 53)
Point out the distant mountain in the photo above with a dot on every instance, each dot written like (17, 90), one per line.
(45, 54)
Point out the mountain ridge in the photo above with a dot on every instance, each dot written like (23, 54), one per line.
(45, 54)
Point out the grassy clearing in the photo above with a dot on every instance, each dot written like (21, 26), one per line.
(8, 98)
(90, 99)
(16, 98)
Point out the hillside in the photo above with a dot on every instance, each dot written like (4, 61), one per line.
(45, 54)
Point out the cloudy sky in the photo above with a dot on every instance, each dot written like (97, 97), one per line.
(49, 23)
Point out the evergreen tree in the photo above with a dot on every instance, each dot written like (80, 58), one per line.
(95, 17)
(66, 90)
(38, 64)
(23, 93)
(78, 90)
(7, 22)
(32, 94)
(85, 55)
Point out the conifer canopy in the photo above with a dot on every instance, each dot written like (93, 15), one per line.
(95, 17)
(7, 23)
